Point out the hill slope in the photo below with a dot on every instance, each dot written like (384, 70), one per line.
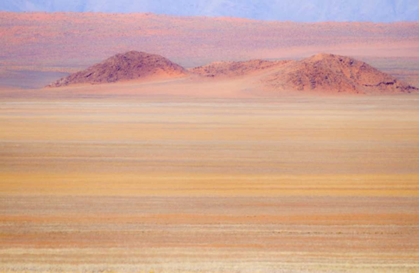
(292, 10)
(321, 73)
(333, 73)
(235, 69)
(122, 67)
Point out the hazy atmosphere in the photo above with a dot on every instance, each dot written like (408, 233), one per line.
(283, 10)
(209, 136)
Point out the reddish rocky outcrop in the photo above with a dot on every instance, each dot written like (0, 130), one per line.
(123, 67)
(335, 74)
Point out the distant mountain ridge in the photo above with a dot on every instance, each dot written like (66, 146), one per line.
(282, 10)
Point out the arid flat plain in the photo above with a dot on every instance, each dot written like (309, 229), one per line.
(292, 184)
(188, 175)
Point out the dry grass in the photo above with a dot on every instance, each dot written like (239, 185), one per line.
(181, 184)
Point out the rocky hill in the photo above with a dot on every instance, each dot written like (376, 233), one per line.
(123, 67)
(321, 73)
(334, 74)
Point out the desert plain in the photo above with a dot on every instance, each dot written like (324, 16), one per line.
(203, 174)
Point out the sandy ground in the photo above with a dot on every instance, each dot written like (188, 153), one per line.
(126, 178)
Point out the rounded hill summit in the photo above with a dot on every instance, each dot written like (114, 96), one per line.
(329, 73)
(123, 67)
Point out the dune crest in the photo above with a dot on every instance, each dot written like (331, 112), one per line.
(123, 67)
(235, 69)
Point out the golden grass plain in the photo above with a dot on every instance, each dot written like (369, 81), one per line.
(128, 178)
